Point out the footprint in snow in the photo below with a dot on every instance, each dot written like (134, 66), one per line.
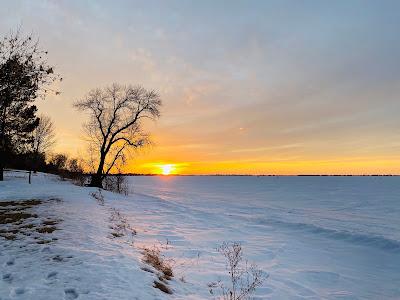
(7, 277)
(10, 262)
(70, 294)
(51, 277)
(19, 291)
(46, 249)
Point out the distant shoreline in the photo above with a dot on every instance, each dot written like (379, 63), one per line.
(267, 175)
(242, 175)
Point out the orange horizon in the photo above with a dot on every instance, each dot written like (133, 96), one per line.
(379, 167)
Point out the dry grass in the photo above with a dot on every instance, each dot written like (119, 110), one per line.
(42, 242)
(120, 224)
(17, 222)
(15, 217)
(116, 234)
(98, 196)
(27, 226)
(162, 287)
(24, 203)
(46, 229)
(153, 258)
(50, 222)
(147, 270)
(162, 269)
(8, 236)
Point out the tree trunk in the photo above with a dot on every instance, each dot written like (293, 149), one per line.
(96, 181)
(2, 147)
(97, 178)
(2, 163)
(35, 161)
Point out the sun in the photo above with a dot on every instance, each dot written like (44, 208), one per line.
(167, 169)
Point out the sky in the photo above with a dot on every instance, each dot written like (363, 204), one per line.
(248, 87)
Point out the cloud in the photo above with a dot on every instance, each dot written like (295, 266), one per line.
(303, 81)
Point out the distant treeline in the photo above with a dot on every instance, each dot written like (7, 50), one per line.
(58, 164)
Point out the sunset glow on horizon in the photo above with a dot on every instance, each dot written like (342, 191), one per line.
(351, 167)
(285, 89)
(167, 169)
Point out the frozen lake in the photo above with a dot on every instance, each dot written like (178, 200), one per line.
(316, 237)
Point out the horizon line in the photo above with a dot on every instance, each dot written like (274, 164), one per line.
(261, 175)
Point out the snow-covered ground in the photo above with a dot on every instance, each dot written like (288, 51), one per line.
(316, 237)
(85, 262)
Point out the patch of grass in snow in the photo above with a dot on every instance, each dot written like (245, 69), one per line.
(120, 224)
(50, 222)
(116, 234)
(162, 287)
(8, 236)
(98, 196)
(42, 242)
(162, 268)
(22, 203)
(16, 221)
(46, 229)
(154, 258)
(147, 269)
(12, 217)
(29, 226)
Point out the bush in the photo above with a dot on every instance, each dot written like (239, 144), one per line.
(116, 183)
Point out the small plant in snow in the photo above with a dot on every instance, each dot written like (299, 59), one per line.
(244, 278)
(162, 267)
(98, 196)
(154, 258)
(120, 224)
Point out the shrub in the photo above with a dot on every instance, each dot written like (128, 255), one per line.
(244, 279)
(116, 183)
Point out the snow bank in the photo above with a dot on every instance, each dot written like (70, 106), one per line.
(85, 262)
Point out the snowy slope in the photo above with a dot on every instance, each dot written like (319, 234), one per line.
(83, 263)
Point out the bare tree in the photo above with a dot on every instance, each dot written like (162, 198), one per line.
(44, 136)
(115, 124)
